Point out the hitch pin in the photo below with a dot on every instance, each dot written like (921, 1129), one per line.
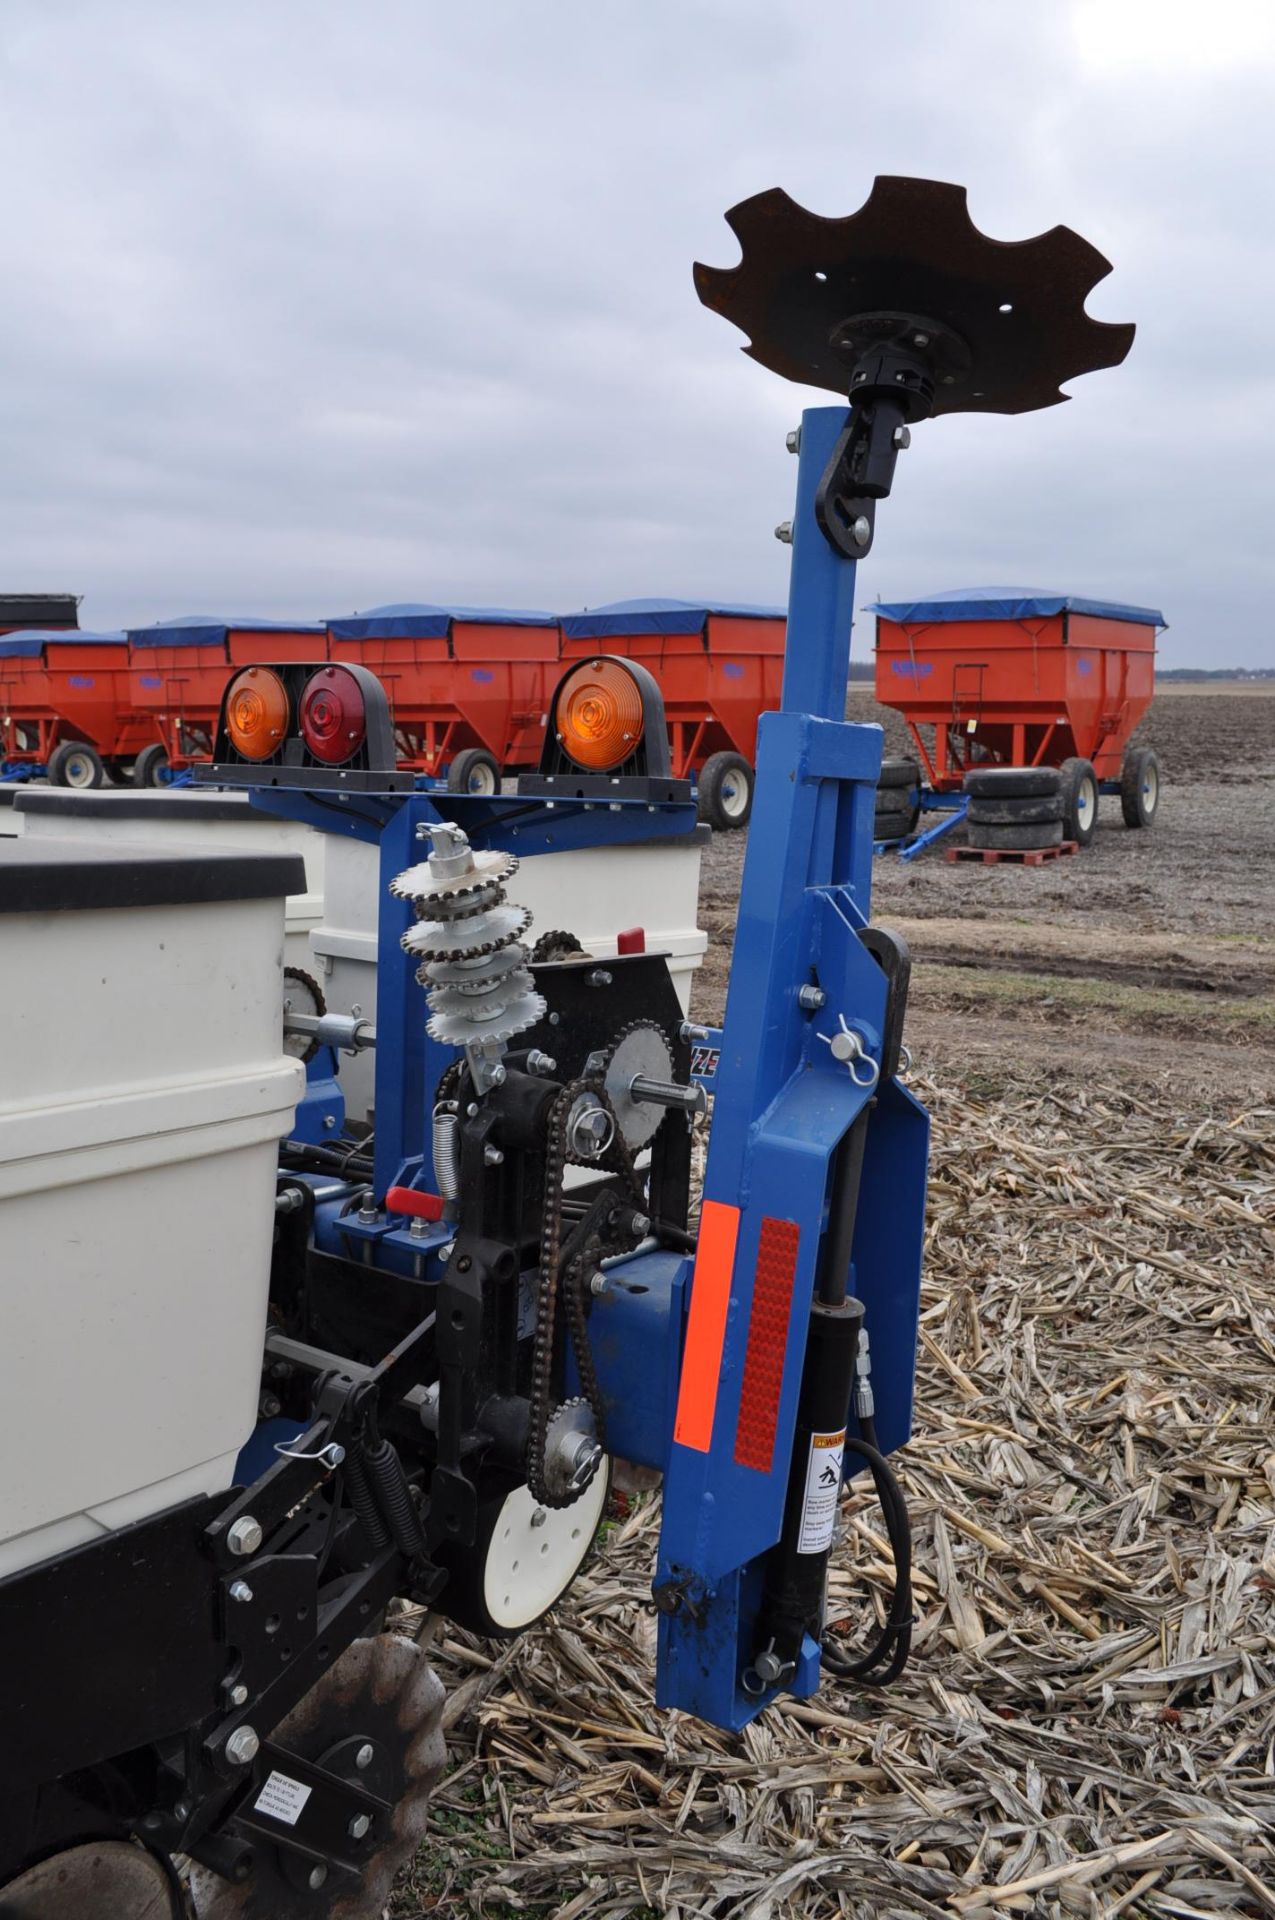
(331, 1455)
(847, 1046)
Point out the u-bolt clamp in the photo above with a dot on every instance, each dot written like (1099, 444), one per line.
(848, 1047)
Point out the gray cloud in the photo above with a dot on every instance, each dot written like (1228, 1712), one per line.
(311, 306)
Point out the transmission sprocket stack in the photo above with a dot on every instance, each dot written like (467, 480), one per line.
(473, 964)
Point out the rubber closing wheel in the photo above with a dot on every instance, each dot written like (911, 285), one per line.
(105, 1880)
(380, 1694)
(524, 1558)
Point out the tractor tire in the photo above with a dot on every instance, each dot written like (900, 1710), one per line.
(895, 823)
(75, 764)
(726, 791)
(474, 771)
(1011, 783)
(1015, 813)
(1046, 833)
(899, 773)
(151, 769)
(1080, 800)
(1140, 786)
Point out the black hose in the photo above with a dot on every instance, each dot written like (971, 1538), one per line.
(893, 1644)
(303, 1156)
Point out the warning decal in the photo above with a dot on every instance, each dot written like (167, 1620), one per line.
(823, 1485)
(282, 1799)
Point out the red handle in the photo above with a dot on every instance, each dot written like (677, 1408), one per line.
(421, 1206)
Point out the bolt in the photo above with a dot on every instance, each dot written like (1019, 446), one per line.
(242, 1746)
(496, 1077)
(237, 1693)
(367, 1208)
(317, 1876)
(541, 1063)
(269, 1406)
(416, 1229)
(365, 1756)
(240, 1590)
(920, 339)
(784, 532)
(792, 440)
(539, 1517)
(690, 1031)
(360, 1826)
(244, 1536)
(599, 978)
(493, 1157)
(599, 1284)
(902, 438)
(811, 998)
(329, 1122)
(641, 1225)
(860, 530)
(182, 1810)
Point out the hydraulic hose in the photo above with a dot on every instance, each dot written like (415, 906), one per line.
(892, 1645)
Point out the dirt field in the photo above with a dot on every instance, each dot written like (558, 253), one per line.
(1151, 953)
(1087, 1726)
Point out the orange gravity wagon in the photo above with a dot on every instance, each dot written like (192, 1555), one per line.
(468, 687)
(66, 705)
(988, 676)
(719, 668)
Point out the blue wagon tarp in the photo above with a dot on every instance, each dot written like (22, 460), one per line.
(416, 620)
(1008, 603)
(620, 617)
(29, 642)
(210, 630)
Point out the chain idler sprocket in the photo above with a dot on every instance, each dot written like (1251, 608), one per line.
(998, 325)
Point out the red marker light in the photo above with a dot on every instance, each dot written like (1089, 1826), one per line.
(333, 717)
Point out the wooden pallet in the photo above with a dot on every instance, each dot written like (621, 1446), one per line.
(1023, 856)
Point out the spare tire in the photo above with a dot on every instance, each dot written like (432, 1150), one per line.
(899, 773)
(1011, 783)
(1080, 800)
(1046, 833)
(894, 823)
(1140, 786)
(1015, 813)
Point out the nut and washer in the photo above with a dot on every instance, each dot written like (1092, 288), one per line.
(244, 1536)
(242, 1746)
(783, 532)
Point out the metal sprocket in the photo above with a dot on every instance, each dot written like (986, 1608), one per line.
(642, 1048)
(302, 994)
(385, 1692)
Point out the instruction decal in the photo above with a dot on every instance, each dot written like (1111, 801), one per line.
(823, 1488)
(282, 1799)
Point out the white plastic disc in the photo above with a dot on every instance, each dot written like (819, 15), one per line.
(532, 1560)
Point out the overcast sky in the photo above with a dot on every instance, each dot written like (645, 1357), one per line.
(311, 306)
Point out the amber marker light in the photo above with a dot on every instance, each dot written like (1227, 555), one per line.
(256, 713)
(599, 717)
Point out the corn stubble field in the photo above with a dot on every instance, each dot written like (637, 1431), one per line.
(1088, 1723)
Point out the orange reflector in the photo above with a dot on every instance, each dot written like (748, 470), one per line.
(599, 718)
(256, 713)
(706, 1325)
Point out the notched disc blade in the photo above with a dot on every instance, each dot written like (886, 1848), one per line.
(1018, 306)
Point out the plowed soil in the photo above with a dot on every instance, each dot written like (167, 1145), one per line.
(1148, 954)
